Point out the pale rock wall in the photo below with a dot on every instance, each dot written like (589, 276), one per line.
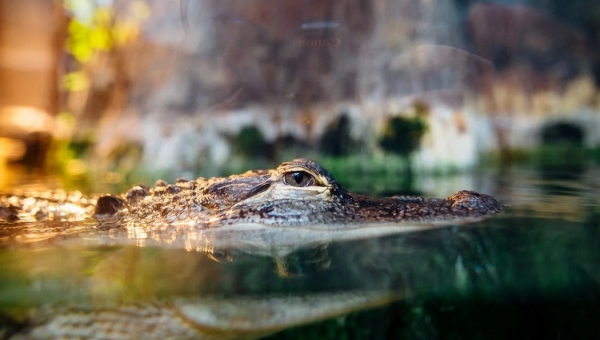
(492, 76)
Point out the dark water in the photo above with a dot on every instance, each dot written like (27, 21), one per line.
(533, 272)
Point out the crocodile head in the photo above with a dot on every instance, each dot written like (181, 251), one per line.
(299, 193)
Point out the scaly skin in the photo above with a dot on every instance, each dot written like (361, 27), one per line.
(299, 193)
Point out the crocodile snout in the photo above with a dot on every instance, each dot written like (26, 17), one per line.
(474, 201)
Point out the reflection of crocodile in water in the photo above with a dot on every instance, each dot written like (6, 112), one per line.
(299, 193)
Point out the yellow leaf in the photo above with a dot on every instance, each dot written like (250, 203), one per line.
(75, 81)
(100, 39)
(82, 51)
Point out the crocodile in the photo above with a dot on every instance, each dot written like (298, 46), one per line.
(297, 194)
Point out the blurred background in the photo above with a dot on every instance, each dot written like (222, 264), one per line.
(99, 94)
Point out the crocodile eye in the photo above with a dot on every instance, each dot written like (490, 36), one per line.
(299, 179)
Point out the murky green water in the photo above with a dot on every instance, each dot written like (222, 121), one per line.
(533, 272)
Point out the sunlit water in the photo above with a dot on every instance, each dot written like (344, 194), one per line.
(532, 272)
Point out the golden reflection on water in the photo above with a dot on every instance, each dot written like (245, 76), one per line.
(198, 241)
(185, 236)
(137, 233)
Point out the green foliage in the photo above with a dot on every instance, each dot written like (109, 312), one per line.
(93, 35)
(336, 140)
(402, 135)
(250, 142)
(100, 32)
(371, 174)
